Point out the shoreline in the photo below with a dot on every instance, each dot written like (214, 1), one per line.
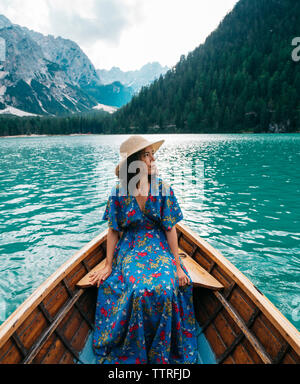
(162, 133)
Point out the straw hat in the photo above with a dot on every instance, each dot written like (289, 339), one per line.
(135, 144)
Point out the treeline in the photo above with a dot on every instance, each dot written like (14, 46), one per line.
(91, 122)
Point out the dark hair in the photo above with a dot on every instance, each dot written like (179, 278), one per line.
(134, 157)
(129, 175)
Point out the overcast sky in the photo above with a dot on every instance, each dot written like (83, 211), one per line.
(123, 33)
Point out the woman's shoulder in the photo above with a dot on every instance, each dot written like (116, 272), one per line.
(115, 190)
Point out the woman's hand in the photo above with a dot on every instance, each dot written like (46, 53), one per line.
(183, 278)
(99, 276)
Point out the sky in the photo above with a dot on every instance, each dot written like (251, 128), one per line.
(123, 33)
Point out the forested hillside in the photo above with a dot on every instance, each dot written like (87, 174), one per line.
(242, 79)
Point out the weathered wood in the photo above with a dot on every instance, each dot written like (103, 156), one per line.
(248, 334)
(18, 317)
(238, 340)
(19, 344)
(269, 341)
(186, 245)
(283, 326)
(31, 328)
(77, 306)
(218, 310)
(54, 324)
(200, 277)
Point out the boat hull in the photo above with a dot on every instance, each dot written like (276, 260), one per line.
(240, 324)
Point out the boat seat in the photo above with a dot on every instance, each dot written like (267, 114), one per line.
(200, 277)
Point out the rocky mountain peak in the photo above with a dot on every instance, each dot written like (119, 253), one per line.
(4, 22)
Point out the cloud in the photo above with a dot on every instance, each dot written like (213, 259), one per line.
(91, 20)
(124, 33)
(85, 21)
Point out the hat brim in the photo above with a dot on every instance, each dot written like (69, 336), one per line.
(155, 144)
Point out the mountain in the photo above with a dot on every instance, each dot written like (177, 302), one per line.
(243, 78)
(46, 75)
(134, 79)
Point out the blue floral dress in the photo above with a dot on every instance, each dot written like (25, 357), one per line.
(143, 316)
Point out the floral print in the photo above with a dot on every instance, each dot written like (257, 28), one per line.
(142, 315)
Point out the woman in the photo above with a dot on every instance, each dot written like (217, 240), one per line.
(144, 312)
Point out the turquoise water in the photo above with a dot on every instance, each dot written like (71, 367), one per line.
(238, 192)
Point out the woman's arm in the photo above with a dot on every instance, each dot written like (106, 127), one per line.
(104, 273)
(112, 240)
(173, 244)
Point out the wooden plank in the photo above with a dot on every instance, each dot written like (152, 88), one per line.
(44, 349)
(59, 332)
(17, 318)
(218, 307)
(77, 274)
(71, 327)
(19, 344)
(55, 352)
(286, 329)
(200, 277)
(85, 281)
(78, 306)
(224, 329)
(95, 257)
(203, 261)
(221, 276)
(252, 339)
(251, 351)
(80, 336)
(229, 360)
(186, 245)
(238, 341)
(32, 328)
(215, 340)
(293, 354)
(240, 305)
(290, 359)
(241, 356)
(51, 329)
(270, 343)
(56, 299)
(10, 354)
(67, 358)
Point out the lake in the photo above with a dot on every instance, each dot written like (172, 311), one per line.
(239, 192)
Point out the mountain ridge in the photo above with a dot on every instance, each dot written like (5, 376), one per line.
(47, 75)
(133, 78)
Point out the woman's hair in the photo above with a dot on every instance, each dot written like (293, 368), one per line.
(129, 175)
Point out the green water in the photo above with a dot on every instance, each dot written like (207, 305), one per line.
(239, 192)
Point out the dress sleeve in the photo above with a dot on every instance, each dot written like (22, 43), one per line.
(112, 211)
(171, 213)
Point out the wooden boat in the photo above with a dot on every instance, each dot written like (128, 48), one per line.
(240, 325)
